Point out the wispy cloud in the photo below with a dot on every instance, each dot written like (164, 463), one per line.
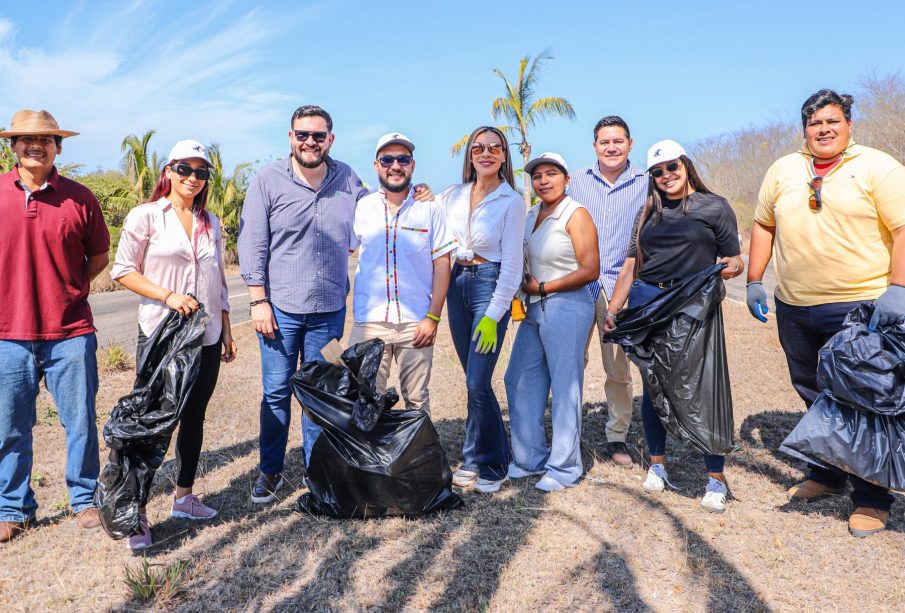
(144, 68)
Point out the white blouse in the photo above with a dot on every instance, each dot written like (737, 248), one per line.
(154, 244)
(495, 231)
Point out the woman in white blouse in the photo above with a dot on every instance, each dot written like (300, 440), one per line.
(487, 219)
(561, 258)
(170, 248)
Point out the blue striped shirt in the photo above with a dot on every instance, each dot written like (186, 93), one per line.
(295, 240)
(613, 208)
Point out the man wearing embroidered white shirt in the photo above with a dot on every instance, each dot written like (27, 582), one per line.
(403, 271)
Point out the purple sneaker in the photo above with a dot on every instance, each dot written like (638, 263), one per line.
(191, 508)
(143, 540)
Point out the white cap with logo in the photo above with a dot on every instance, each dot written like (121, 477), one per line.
(186, 149)
(395, 138)
(664, 151)
(547, 157)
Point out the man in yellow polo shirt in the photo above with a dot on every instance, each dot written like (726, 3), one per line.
(833, 215)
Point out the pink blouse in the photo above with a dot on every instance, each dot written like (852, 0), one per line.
(154, 243)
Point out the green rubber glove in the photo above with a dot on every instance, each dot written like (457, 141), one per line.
(485, 334)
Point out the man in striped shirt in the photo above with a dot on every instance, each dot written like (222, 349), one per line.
(613, 191)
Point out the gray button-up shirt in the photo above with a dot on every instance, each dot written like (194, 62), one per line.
(295, 240)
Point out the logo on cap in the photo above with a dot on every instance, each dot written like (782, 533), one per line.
(657, 153)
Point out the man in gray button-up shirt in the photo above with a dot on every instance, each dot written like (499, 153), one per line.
(294, 243)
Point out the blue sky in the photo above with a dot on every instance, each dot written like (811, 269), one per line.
(232, 73)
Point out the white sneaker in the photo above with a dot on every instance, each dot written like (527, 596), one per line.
(656, 479)
(549, 484)
(464, 477)
(487, 486)
(715, 496)
(517, 472)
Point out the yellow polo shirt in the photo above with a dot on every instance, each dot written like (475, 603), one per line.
(842, 253)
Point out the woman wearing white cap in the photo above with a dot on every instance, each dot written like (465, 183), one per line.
(170, 248)
(682, 229)
(561, 258)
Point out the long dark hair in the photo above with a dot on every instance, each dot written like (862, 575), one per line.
(199, 204)
(653, 206)
(469, 173)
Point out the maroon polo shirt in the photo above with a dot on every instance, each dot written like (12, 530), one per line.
(43, 248)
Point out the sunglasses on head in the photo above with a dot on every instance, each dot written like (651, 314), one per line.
(671, 167)
(302, 136)
(814, 201)
(387, 160)
(492, 149)
(184, 170)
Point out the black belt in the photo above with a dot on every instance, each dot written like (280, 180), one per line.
(663, 284)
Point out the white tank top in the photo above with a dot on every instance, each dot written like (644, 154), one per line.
(549, 253)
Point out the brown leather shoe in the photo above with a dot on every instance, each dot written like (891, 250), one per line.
(811, 490)
(619, 454)
(865, 521)
(11, 529)
(89, 520)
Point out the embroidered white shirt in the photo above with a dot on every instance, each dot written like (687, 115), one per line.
(395, 272)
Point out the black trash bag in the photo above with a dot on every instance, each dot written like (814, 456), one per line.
(857, 423)
(398, 467)
(142, 422)
(677, 342)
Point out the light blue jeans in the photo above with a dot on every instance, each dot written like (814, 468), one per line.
(69, 369)
(299, 335)
(548, 355)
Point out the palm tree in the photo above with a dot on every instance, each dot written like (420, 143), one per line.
(139, 165)
(226, 194)
(522, 110)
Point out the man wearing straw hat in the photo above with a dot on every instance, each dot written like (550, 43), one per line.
(53, 242)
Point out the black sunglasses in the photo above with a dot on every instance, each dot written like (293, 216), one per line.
(658, 172)
(814, 201)
(302, 136)
(184, 170)
(387, 160)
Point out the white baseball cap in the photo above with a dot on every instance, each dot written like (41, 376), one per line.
(186, 149)
(395, 138)
(664, 151)
(547, 157)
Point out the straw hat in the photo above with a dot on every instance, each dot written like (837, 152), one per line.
(39, 123)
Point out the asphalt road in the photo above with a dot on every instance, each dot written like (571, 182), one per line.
(116, 313)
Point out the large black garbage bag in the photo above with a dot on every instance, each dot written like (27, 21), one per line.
(142, 422)
(397, 467)
(857, 423)
(678, 344)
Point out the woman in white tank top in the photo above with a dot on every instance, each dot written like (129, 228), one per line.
(561, 258)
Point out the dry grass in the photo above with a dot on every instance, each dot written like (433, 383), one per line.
(604, 545)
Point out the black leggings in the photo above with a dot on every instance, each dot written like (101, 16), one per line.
(191, 424)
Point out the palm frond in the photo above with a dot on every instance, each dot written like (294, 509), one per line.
(458, 146)
(551, 106)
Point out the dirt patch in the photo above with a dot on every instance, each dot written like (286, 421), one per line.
(603, 545)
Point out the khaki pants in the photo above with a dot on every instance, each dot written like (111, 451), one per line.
(414, 364)
(618, 385)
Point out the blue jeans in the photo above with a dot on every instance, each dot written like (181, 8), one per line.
(299, 335)
(654, 432)
(486, 447)
(548, 355)
(69, 368)
(803, 330)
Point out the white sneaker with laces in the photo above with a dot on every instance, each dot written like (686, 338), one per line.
(656, 478)
(488, 486)
(517, 472)
(464, 477)
(715, 496)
